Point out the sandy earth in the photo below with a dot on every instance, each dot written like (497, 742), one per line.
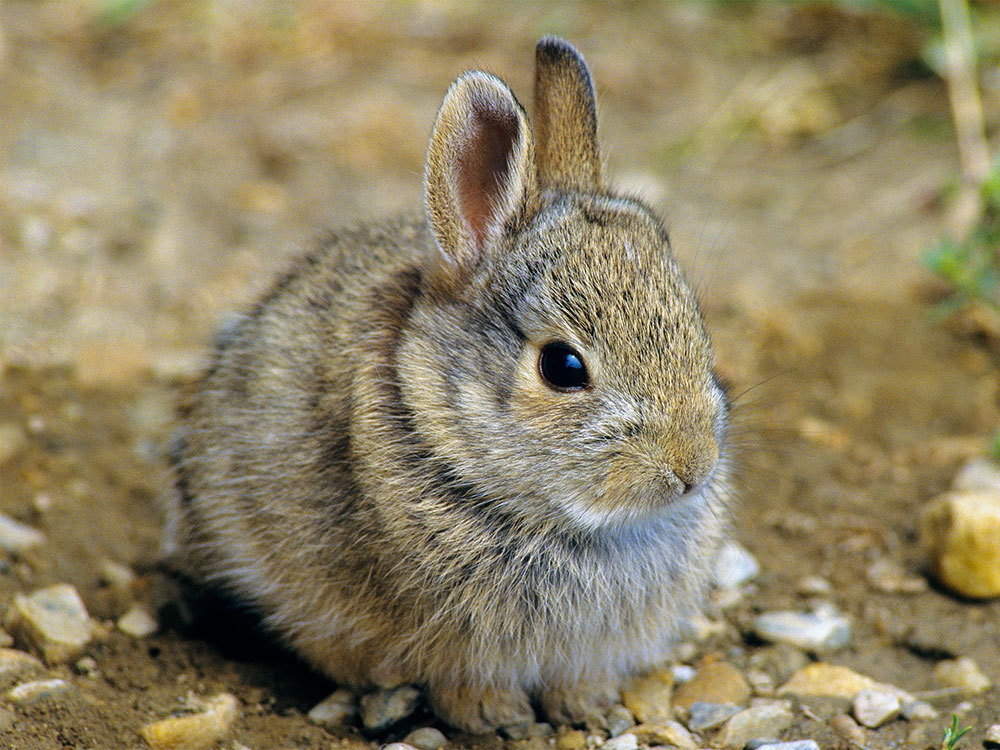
(157, 172)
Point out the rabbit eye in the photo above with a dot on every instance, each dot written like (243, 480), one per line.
(562, 368)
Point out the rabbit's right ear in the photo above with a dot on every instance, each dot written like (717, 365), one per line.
(480, 172)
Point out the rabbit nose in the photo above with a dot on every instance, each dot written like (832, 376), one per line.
(694, 464)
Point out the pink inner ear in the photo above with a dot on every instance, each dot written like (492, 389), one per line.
(482, 166)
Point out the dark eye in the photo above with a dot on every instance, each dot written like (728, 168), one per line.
(562, 368)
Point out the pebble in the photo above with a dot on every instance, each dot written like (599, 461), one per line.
(828, 680)
(138, 623)
(619, 719)
(813, 586)
(116, 575)
(384, 708)
(338, 708)
(766, 719)
(398, 746)
(702, 715)
(734, 566)
(31, 692)
(16, 665)
(682, 673)
(648, 698)
(961, 673)
(891, 578)
(810, 631)
(627, 741)
(17, 538)
(571, 739)
(6, 639)
(918, 711)
(873, 708)
(87, 666)
(718, 682)
(978, 475)
(961, 533)
(992, 734)
(761, 683)
(54, 621)
(197, 731)
(779, 660)
(847, 728)
(796, 745)
(667, 733)
(426, 738)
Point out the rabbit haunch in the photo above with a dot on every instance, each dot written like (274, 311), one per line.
(375, 461)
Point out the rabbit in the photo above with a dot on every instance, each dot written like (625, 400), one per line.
(481, 450)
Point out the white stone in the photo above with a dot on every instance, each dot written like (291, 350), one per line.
(197, 731)
(813, 585)
(31, 692)
(16, 665)
(734, 566)
(138, 623)
(768, 719)
(17, 538)
(336, 709)
(54, 621)
(426, 738)
(795, 745)
(961, 673)
(817, 632)
(978, 475)
(993, 734)
(919, 711)
(627, 741)
(873, 708)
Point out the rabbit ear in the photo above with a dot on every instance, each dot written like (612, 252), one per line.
(565, 118)
(480, 169)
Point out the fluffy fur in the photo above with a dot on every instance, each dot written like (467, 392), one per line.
(373, 460)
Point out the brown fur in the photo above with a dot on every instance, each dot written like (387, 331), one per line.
(373, 460)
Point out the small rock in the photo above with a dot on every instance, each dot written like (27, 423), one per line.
(796, 745)
(978, 475)
(961, 533)
(734, 566)
(702, 715)
(847, 728)
(571, 739)
(338, 708)
(625, 741)
(426, 738)
(398, 746)
(117, 576)
(718, 682)
(818, 632)
(918, 711)
(961, 673)
(648, 698)
(384, 708)
(873, 708)
(682, 673)
(54, 621)
(779, 660)
(890, 577)
(87, 666)
(16, 666)
(813, 586)
(761, 683)
(992, 734)
(197, 731)
(826, 680)
(667, 733)
(6, 639)
(138, 623)
(619, 719)
(767, 719)
(32, 692)
(17, 538)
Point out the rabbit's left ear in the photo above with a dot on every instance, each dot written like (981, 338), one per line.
(565, 118)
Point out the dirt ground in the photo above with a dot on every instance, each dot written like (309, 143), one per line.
(159, 168)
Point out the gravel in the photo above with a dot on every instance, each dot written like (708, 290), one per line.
(52, 620)
(818, 631)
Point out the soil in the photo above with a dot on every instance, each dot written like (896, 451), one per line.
(160, 165)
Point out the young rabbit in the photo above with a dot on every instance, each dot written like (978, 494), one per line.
(481, 450)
